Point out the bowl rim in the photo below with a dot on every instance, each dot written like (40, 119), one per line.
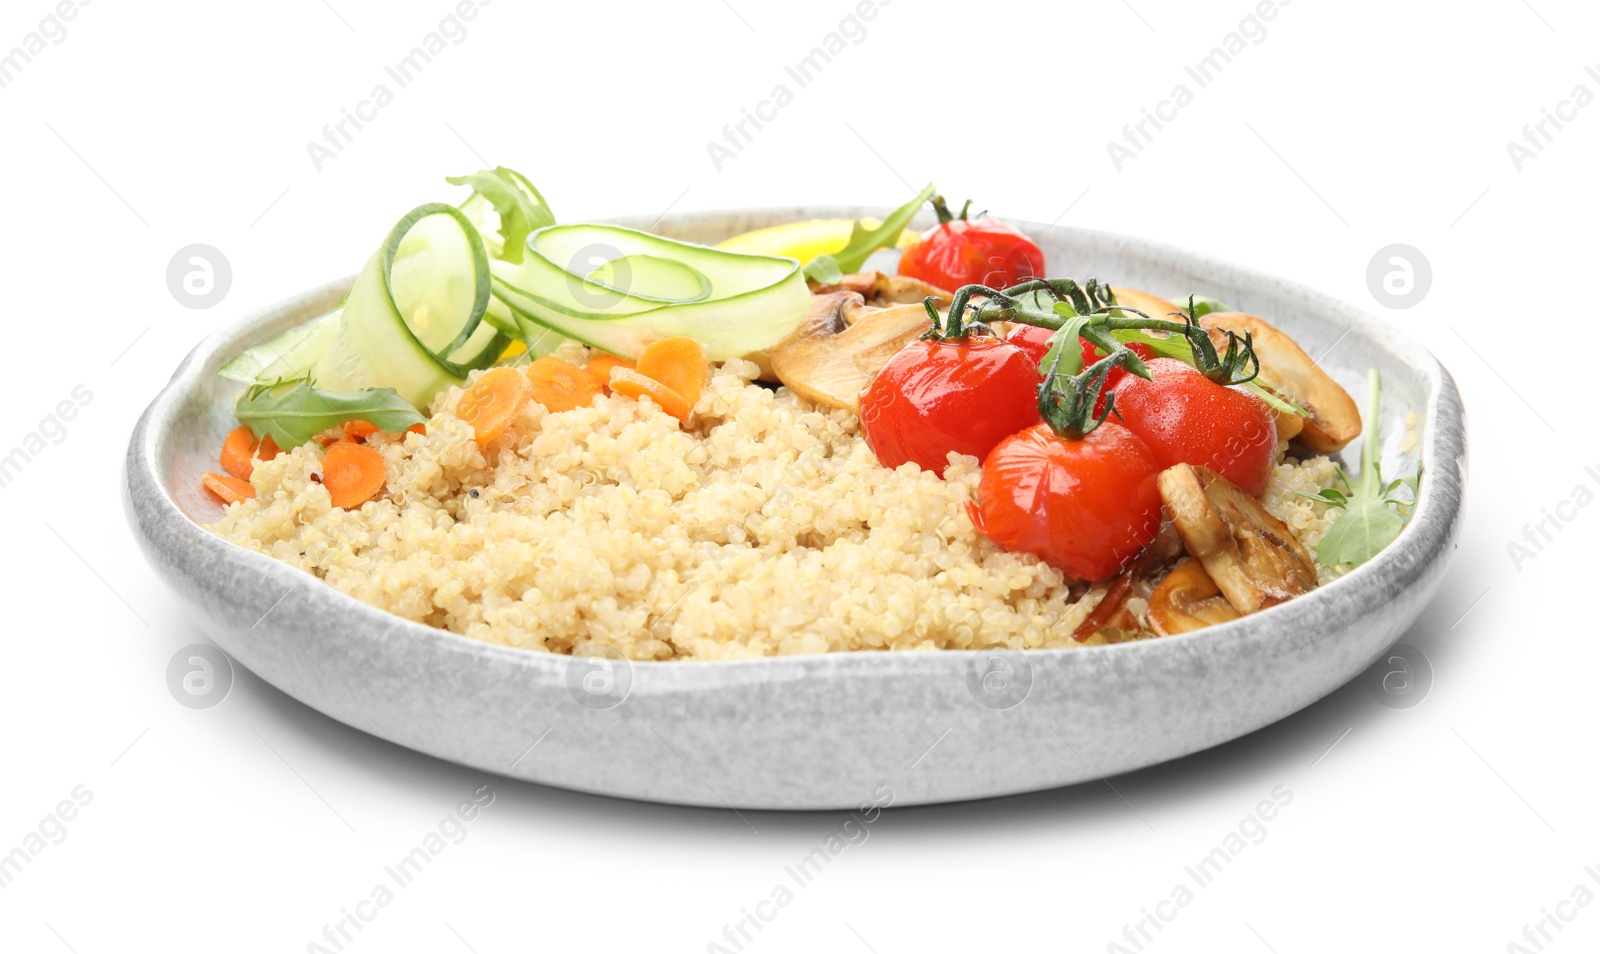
(1425, 539)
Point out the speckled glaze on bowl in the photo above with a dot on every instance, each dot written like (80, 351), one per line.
(818, 731)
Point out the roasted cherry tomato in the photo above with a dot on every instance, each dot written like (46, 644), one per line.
(1086, 507)
(1036, 342)
(934, 397)
(1033, 340)
(1186, 418)
(962, 251)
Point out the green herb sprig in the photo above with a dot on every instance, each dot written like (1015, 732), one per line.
(1373, 517)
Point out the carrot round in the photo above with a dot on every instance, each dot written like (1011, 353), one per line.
(635, 385)
(237, 448)
(490, 403)
(359, 429)
(561, 386)
(229, 490)
(353, 473)
(240, 446)
(679, 363)
(600, 365)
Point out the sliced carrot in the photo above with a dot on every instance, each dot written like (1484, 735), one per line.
(236, 452)
(600, 365)
(417, 429)
(490, 402)
(240, 446)
(561, 386)
(353, 473)
(635, 385)
(679, 363)
(326, 440)
(359, 429)
(229, 490)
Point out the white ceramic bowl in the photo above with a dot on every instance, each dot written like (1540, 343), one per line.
(815, 731)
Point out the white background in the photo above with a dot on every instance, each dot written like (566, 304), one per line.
(1351, 126)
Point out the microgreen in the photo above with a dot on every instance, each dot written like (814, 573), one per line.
(520, 206)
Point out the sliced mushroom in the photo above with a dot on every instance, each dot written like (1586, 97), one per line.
(1186, 600)
(841, 344)
(1254, 558)
(1289, 424)
(876, 290)
(880, 290)
(1287, 369)
(1151, 305)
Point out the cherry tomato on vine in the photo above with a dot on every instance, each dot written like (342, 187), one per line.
(1086, 506)
(1185, 418)
(934, 397)
(1036, 342)
(962, 251)
(1031, 339)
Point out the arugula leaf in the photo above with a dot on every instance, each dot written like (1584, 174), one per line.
(1366, 527)
(824, 270)
(1372, 518)
(1064, 346)
(829, 269)
(293, 412)
(520, 206)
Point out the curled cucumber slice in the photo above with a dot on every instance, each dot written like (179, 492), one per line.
(415, 319)
(619, 289)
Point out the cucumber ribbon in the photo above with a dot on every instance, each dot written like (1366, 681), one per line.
(451, 288)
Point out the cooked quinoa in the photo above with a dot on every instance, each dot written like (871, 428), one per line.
(765, 528)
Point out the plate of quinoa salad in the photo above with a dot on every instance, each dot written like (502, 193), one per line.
(755, 508)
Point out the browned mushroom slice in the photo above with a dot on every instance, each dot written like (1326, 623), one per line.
(900, 290)
(1254, 558)
(1285, 367)
(1289, 424)
(879, 290)
(875, 290)
(1187, 600)
(1151, 305)
(840, 345)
